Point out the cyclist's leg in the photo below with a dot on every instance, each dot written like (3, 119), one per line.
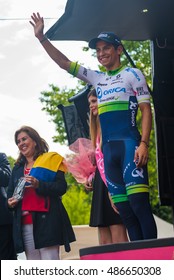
(113, 161)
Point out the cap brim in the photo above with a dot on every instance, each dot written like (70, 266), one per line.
(93, 42)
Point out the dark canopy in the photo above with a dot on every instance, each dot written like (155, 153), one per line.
(129, 19)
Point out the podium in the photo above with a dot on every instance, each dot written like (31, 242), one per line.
(152, 249)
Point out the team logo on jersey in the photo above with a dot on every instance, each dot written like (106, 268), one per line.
(116, 98)
(137, 172)
(133, 105)
(133, 72)
(126, 169)
(85, 72)
(140, 91)
(107, 99)
(108, 78)
(102, 85)
(101, 93)
(116, 78)
(110, 184)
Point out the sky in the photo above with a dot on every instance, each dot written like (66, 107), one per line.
(26, 70)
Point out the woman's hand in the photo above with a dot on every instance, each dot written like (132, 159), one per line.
(34, 183)
(38, 25)
(88, 186)
(12, 202)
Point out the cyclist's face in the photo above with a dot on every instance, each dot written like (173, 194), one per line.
(107, 55)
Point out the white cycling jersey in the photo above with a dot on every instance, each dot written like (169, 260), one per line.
(119, 92)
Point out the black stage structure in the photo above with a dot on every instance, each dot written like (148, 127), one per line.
(135, 20)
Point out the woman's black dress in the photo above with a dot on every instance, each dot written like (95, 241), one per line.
(102, 213)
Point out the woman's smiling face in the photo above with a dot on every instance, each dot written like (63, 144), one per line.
(93, 105)
(26, 144)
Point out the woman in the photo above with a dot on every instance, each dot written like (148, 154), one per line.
(103, 215)
(41, 223)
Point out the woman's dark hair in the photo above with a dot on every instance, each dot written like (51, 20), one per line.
(92, 93)
(41, 144)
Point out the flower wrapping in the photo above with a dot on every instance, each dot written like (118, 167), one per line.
(81, 164)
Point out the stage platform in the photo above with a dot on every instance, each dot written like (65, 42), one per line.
(153, 249)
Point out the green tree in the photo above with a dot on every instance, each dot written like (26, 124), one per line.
(11, 161)
(78, 204)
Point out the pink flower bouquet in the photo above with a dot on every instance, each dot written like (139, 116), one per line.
(81, 164)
